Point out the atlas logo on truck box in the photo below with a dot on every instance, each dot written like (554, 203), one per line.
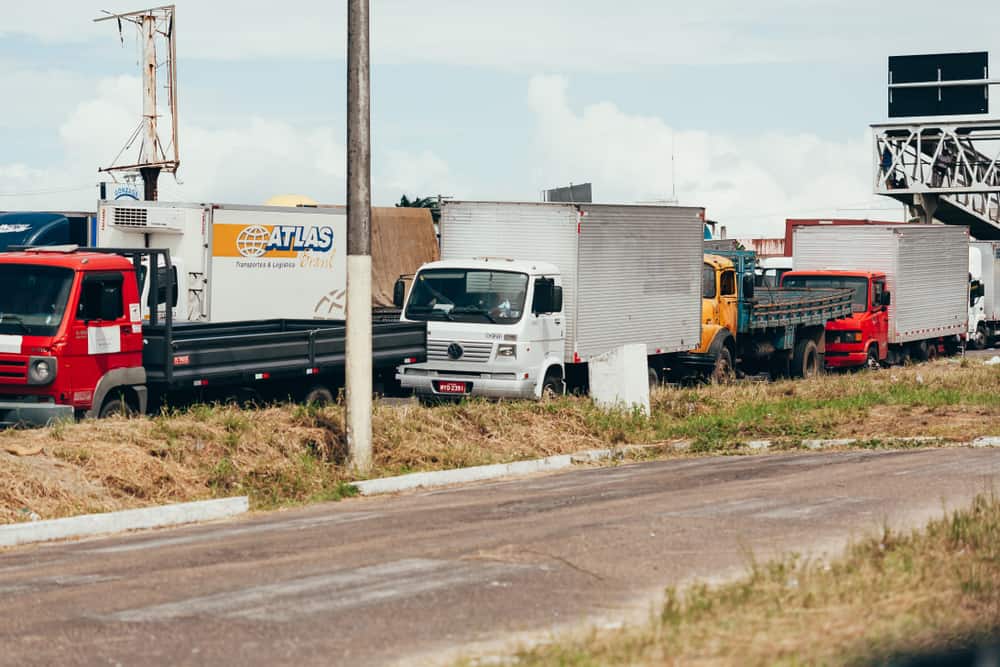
(267, 241)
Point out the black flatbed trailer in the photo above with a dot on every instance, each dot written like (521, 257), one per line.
(269, 355)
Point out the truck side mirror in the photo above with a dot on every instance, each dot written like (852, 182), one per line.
(748, 285)
(544, 300)
(886, 299)
(399, 293)
(557, 299)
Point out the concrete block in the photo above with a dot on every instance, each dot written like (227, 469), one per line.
(823, 444)
(759, 444)
(118, 522)
(619, 379)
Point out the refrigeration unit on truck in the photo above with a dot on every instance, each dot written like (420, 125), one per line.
(259, 262)
(73, 343)
(755, 328)
(910, 285)
(984, 297)
(526, 294)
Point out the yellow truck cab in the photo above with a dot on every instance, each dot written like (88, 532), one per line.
(757, 328)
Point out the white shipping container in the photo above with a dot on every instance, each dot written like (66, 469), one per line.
(986, 255)
(630, 274)
(242, 262)
(926, 268)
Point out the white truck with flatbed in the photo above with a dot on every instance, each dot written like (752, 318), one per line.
(527, 293)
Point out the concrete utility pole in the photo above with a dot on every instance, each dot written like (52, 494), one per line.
(359, 260)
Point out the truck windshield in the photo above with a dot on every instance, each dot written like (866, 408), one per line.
(859, 300)
(468, 295)
(33, 298)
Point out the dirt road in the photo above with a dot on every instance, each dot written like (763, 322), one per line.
(404, 579)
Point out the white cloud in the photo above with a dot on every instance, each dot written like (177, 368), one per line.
(563, 34)
(750, 183)
(247, 162)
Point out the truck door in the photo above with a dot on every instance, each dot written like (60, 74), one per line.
(728, 300)
(552, 327)
(880, 317)
(107, 331)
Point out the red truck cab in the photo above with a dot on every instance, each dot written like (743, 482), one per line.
(863, 338)
(70, 335)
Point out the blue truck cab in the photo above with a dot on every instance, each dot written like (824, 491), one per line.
(44, 228)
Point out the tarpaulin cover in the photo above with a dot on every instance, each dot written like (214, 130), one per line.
(403, 239)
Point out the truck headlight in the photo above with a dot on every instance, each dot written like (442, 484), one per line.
(41, 370)
(508, 351)
(852, 336)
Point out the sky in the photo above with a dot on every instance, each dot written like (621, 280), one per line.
(765, 106)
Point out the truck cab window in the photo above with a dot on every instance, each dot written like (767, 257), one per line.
(727, 284)
(101, 298)
(708, 282)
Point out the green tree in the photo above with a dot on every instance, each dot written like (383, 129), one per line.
(421, 202)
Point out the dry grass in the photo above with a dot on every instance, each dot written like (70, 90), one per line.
(289, 454)
(899, 594)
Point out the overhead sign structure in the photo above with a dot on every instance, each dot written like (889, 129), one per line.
(573, 194)
(944, 84)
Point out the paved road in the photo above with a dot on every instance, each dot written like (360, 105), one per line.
(408, 578)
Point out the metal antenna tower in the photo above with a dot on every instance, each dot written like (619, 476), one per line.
(154, 25)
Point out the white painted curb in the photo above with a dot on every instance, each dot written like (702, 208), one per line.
(118, 522)
(419, 480)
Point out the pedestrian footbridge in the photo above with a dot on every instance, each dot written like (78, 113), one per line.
(945, 171)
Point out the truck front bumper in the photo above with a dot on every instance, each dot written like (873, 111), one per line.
(424, 382)
(843, 359)
(28, 413)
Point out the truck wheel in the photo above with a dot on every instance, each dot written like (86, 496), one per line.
(932, 351)
(723, 372)
(654, 379)
(116, 406)
(872, 362)
(921, 351)
(979, 340)
(805, 362)
(552, 386)
(318, 395)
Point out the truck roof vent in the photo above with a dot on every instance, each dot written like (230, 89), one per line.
(148, 219)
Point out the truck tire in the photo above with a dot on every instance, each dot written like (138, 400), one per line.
(552, 385)
(318, 395)
(723, 373)
(921, 351)
(116, 405)
(979, 340)
(805, 361)
(872, 362)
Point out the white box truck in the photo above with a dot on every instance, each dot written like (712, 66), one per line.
(266, 262)
(526, 293)
(984, 298)
(910, 283)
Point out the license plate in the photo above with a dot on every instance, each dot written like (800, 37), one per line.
(451, 387)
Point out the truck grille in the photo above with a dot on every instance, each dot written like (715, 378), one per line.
(477, 352)
(13, 369)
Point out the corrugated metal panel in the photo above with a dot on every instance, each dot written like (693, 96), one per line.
(765, 247)
(522, 231)
(989, 263)
(926, 271)
(639, 278)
